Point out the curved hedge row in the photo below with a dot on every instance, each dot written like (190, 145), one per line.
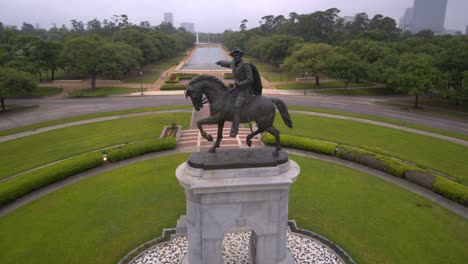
(19, 186)
(448, 188)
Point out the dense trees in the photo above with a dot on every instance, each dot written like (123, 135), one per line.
(110, 47)
(14, 83)
(366, 48)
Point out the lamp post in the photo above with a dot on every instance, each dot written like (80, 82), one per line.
(141, 82)
(305, 86)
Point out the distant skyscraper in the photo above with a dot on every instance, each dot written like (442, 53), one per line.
(169, 18)
(406, 21)
(190, 27)
(429, 14)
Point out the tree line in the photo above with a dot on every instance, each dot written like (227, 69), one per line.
(374, 49)
(111, 48)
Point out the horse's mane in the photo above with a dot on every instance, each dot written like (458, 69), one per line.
(204, 77)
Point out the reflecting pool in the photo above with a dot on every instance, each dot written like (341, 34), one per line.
(204, 58)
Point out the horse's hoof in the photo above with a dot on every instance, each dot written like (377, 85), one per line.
(212, 150)
(249, 142)
(209, 138)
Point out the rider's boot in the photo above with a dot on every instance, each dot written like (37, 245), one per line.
(235, 125)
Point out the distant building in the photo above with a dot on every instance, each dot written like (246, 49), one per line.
(429, 15)
(190, 27)
(406, 21)
(169, 18)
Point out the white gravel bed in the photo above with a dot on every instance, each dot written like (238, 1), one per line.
(236, 250)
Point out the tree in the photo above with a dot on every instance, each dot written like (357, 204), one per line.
(346, 67)
(243, 26)
(309, 58)
(14, 83)
(83, 55)
(416, 76)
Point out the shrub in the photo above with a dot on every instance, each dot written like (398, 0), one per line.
(140, 148)
(308, 144)
(452, 190)
(172, 79)
(13, 189)
(185, 76)
(228, 76)
(443, 186)
(166, 87)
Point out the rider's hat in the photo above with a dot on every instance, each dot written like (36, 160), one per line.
(236, 50)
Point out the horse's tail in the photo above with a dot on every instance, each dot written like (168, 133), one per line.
(283, 111)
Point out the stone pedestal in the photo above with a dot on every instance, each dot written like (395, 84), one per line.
(232, 191)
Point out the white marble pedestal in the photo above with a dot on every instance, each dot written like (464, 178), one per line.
(232, 191)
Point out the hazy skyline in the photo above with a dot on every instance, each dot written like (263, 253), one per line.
(208, 16)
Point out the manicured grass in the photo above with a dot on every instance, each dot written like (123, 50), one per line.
(101, 219)
(89, 116)
(375, 221)
(152, 72)
(360, 92)
(381, 119)
(269, 72)
(444, 156)
(98, 220)
(43, 92)
(29, 152)
(103, 91)
(323, 85)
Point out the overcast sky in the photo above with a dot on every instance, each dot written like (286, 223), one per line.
(208, 16)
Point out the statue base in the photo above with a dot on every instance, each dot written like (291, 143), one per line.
(234, 191)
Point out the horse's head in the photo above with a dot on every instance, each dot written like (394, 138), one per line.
(195, 94)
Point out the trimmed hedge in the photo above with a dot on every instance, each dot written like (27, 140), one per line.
(450, 189)
(228, 76)
(16, 187)
(185, 76)
(140, 148)
(172, 79)
(308, 144)
(13, 189)
(168, 87)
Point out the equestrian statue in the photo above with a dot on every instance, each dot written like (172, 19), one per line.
(243, 103)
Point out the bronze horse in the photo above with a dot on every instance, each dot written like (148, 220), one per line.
(260, 109)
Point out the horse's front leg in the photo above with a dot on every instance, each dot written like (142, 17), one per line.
(206, 121)
(218, 138)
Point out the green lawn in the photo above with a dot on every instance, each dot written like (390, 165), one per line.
(426, 151)
(101, 219)
(152, 72)
(323, 85)
(270, 72)
(89, 116)
(360, 92)
(381, 119)
(103, 91)
(29, 152)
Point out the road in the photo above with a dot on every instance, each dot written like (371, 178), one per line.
(56, 108)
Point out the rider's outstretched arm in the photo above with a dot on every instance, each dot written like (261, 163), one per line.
(224, 63)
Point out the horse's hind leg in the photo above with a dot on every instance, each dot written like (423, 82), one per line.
(251, 135)
(218, 138)
(272, 130)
